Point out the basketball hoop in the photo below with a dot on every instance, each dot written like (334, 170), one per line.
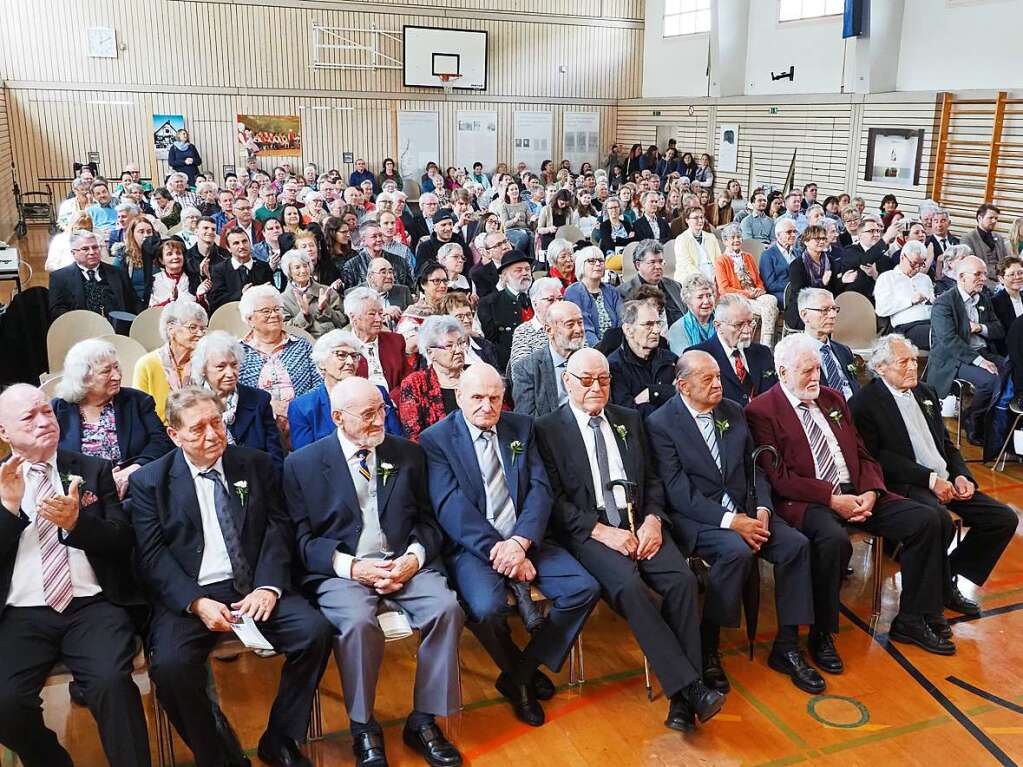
(448, 82)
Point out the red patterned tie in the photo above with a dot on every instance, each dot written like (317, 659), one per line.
(55, 560)
(742, 374)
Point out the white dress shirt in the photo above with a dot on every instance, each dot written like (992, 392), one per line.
(372, 541)
(616, 469)
(371, 351)
(216, 564)
(727, 516)
(829, 436)
(925, 451)
(893, 294)
(27, 578)
(503, 523)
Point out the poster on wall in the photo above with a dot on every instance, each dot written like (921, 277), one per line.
(476, 140)
(894, 156)
(531, 135)
(418, 141)
(270, 135)
(165, 130)
(580, 138)
(728, 147)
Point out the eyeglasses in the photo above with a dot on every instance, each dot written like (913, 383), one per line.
(604, 379)
(438, 281)
(192, 327)
(499, 244)
(552, 299)
(87, 248)
(343, 356)
(594, 262)
(453, 347)
(747, 325)
(651, 325)
(269, 312)
(368, 416)
(825, 309)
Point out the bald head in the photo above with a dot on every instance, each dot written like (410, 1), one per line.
(358, 410)
(698, 380)
(27, 423)
(479, 395)
(588, 381)
(565, 329)
(588, 359)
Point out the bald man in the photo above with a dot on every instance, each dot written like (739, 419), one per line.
(64, 588)
(537, 385)
(490, 489)
(365, 534)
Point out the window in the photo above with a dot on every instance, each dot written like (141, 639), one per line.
(686, 17)
(794, 10)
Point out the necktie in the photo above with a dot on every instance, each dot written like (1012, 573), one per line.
(224, 502)
(742, 374)
(56, 562)
(603, 468)
(243, 273)
(363, 465)
(706, 423)
(91, 275)
(831, 371)
(499, 503)
(826, 466)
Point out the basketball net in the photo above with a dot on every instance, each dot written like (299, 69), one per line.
(448, 83)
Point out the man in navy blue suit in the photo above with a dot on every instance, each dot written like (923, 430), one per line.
(747, 368)
(818, 310)
(365, 533)
(701, 446)
(490, 489)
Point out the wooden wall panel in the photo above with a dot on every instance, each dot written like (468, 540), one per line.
(8, 212)
(609, 9)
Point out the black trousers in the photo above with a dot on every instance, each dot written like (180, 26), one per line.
(904, 521)
(670, 635)
(96, 641)
(180, 644)
(918, 332)
(986, 388)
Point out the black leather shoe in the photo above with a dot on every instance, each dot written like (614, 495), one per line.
(281, 752)
(825, 654)
(530, 612)
(957, 602)
(803, 676)
(713, 674)
(368, 748)
(680, 716)
(917, 632)
(522, 699)
(77, 694)
(703, 701)
(939, 626)
(543, 687)
(431, 744)
(849, 572)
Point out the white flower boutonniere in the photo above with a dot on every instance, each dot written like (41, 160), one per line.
(241, 489)
(623, 434)
(836, 416)
(517, 449)
(723, 425)
(386, 471)
(929, 407)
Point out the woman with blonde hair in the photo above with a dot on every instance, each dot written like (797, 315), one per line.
(1016, 236)
(59, 254)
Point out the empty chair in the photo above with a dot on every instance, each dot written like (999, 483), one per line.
(70, 328)
(754, 248)
(570, 233)
(146, 328)
(856, 324)
(228, 318)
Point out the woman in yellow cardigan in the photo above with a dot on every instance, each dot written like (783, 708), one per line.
(736, 272)
(696, 249)
(182, 324)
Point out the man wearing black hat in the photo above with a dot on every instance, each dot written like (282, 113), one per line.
(505, 309)
(443, 233)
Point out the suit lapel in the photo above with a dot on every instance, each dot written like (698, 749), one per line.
(236, 470)
(789, 422)
(123, 427)
(337, 475)
(725, 364)
(690, 432)
(625, 448)
(935, 425)
(512, 463)
(547, 373)
(183, 489)
(894, 415)
(67, 464)
(385, 454)
(466, 453)
(576, 447)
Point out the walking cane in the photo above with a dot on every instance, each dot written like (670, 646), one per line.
(751, 589)
(630, 489)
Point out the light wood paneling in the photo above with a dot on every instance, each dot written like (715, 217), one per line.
(8, 212)
(608, 9)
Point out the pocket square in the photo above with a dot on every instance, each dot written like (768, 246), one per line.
(87, 498)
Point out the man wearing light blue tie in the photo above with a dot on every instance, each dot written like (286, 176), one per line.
(818, 310)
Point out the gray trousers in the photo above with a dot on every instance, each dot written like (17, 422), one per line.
(432, 609)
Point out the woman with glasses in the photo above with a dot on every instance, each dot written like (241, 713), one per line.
(182, 324)
(336, 356)
(308, 305)
(460, 306)
(597, 300)
(813, 270)
(696, 325)
(1008, 303)
(250, 422)
(433, 286)
(736, 272)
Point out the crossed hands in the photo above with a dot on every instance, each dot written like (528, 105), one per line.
(385, 576)
(854, 508)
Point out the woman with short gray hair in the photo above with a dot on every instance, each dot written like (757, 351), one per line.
(307, 304)
(736, 271)
(696, 325)
(427, 396)
(182, 324)
(598, 302)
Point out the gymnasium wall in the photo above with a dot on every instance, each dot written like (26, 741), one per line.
(8, 212)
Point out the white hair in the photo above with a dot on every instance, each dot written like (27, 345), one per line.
(429, 197)
(357, 298)
(328, 342)
(179, 312)
(881, 353)
(217, 342)
(727, 301)
(731, 230)
(206, 186)
(542, 283)
(435, 329)
(791, 348)
(79, 363)
(914, 248)
(583, 255)
(809, 296)
(176, 175)
(782, 224)
(190, 210)
(556, 248)
(293, 256)
(247, 304)
(128, 207)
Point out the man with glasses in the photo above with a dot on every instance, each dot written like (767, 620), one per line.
(648, 258)
(864, 259)
(775, 260)
(395, 298)
(818, 310)
(485, 274)
(502, 312)
(642, 372)
(532, 335)
(537, 380)
(905, 294)
(746, 367)
(229, 279)
(384, 361)
(371, 238)
(622, 538)
(244, 220)
(366, 537)
(89, 283)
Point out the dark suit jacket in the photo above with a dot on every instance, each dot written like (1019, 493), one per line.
(799, 278)
(644, 231)
(608, 242)
(1002, 306)
(417, 231)
(67, 290)
(534, 386)
(226, 282)
(141, 436)
(254, 424)
(193, 260)
(499, 314)
(574, 514)
(168, 526)
(794, 482)
(761, 373)
(671, 289)
(485, 278)
(392, 359)
(884, 432)
(428, 247)
(950, 334)
(630, 376)
(325, 511)
(103, 531)
(457, 489)
(693, 483)
(398, 295)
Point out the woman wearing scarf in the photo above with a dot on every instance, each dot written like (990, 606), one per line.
(163, 370)
(183, 157)
(696, 325)
(813, 270)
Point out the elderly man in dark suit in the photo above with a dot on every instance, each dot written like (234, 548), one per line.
(65, 584)
(702, 447)
(818, 310)
(591, 448)
(89, 283)
(229, 279)
(825, 481)
(366, 536)
(747, 368)
(900, 420)
(490, 489)
(964, 327)
(504, 310)
(642, 371)
(648, 258)
(214, 548)
(652, 225)
(537, 385)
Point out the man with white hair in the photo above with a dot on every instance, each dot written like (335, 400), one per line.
(367, 536)
(747, 368)
(940, 239)
(177, 185)
(900, 420)
(229, 279)
(371, 238)
(904, 295)
(65, 588)
(775, 260)
(818, 310)
(964, 326)
(422, 222)
(501, 312)
(538, 385)
(89, 283)
(380, 277)
(826, 481)
(383, 361)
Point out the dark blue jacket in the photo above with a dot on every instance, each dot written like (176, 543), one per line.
(761, 370)
(141, 436)
(309, 417)
(254, 424)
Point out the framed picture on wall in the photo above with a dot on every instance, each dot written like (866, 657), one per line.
(894, 156)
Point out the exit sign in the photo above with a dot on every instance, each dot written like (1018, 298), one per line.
(773, 110)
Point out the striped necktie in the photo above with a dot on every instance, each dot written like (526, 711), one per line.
(363, 464)
(500, 511)
(56, 562)
(831, 369)
(826, 466)
(706, 423)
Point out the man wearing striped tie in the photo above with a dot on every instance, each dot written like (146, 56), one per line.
(64, 543)
(827, 481)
